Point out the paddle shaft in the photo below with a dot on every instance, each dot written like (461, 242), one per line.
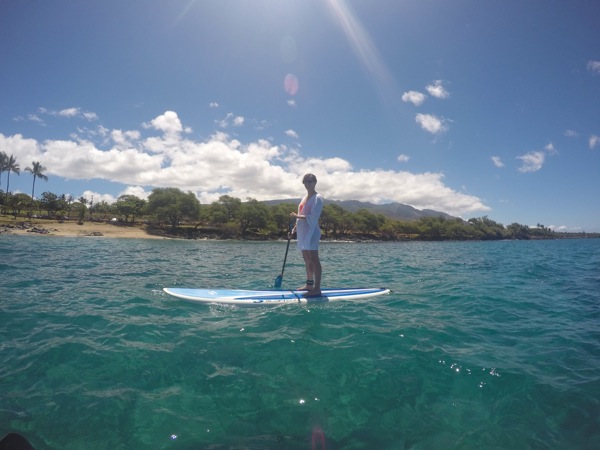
(287, 248)
(279, 278)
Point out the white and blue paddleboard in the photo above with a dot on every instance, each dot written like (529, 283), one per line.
(272, 297)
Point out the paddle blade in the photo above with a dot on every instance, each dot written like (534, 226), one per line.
(278, 281)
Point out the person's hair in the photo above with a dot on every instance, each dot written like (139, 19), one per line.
(309, 177)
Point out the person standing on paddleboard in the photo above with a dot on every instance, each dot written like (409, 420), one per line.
(309, 233)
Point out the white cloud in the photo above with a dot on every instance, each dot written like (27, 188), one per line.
(230, 119)
(403, 158)
(422, 191)
(221, 165)
(97, 197)
(292, 134)
(437, 90)
(124, 138)
(550, 149)
(431, 123)
(72, 112)
(262, 125)
(532, 161)
(168, 122)
(24, 149)
(414, 97)
(138, 191)
(571, 133)
(497, 161)
(594, 67)
(594, 141)
(31, 118)
(213, 105)
(68, 112)
(291, 102)
(89, 116)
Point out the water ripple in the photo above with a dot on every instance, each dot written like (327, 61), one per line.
(476, 339)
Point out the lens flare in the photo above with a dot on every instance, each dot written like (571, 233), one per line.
(291, 84)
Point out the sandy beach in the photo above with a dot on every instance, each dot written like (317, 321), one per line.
(72, 229)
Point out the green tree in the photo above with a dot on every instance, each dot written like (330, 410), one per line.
(432, 228)
(367, 222)
(66, 203)
(172, 205)
(50, 202)
(37, 170)
(80, 207)
(488, 228)
(102, 208)
(217, 214)
(253, 215)
(406, 229)
(457, 230)
(518, 231)
(130, 205)
(3, 160)
(232, 206)
(17, 202)
(388, 230)
(335, 219)
(10, 165)
(280, 214)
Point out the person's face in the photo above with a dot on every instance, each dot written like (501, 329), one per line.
(309, 184)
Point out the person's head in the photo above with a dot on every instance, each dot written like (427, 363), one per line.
(309, 178)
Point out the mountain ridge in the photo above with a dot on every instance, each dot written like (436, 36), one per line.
(395, 211)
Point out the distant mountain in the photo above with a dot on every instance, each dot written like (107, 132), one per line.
(395, 211)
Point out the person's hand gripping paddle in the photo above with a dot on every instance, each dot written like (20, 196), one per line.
(279, 278)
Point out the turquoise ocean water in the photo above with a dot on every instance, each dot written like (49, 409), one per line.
(481, 345)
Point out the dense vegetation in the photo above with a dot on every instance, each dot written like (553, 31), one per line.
(173, 212)
(170, 211)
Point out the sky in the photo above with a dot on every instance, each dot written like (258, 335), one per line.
(470, 107)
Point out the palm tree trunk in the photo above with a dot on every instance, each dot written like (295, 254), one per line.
(7, 184)
(32, 200)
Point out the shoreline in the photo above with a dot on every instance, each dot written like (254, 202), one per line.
(70, 228)
(73, 229)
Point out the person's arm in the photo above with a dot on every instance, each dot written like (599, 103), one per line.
(292, 231)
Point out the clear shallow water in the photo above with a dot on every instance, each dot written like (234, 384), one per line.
(481, 345)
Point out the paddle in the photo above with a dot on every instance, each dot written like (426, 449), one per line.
(279, 277)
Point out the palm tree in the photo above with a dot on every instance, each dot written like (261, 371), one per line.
(3, 158)
(10, 166)
(37, 170)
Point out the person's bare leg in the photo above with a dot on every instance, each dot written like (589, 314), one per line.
(315, 270)
(309, 271)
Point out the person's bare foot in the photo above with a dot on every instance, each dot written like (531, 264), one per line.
(309, 286)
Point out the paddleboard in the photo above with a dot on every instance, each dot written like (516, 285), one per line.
(272, 297)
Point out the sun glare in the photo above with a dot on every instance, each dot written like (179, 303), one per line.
(363, 46)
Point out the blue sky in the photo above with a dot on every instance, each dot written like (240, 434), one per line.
(471, 107)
